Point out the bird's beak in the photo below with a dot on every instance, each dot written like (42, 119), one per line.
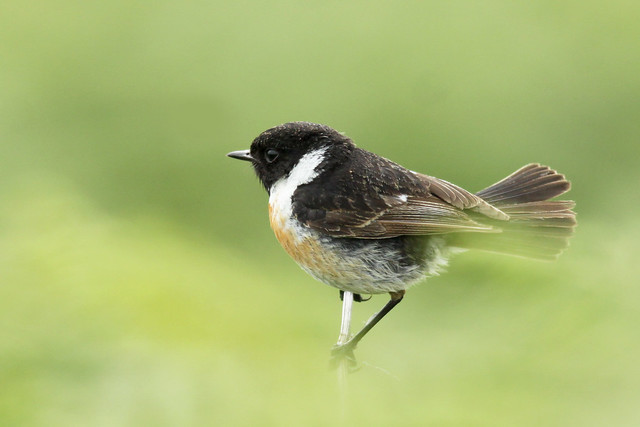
(241, 155)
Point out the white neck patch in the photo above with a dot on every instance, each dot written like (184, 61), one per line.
(303, 172)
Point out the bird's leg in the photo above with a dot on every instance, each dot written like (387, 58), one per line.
(346, 360)
(345, 324)
(348, 347)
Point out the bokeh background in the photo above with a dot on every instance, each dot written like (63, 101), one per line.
(140, 283)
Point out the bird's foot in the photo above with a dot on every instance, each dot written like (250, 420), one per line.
(343, 353)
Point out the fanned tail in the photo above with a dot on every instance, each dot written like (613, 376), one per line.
(538, 227)
(530, 183)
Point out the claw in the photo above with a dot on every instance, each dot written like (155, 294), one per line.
(356, 297)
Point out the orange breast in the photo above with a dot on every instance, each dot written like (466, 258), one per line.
(296, 246)
(306, 250)
(284, 234)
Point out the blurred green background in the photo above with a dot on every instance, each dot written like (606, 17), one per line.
(140, 283)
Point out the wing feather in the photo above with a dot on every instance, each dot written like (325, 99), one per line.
(381, 199)
(461, 198)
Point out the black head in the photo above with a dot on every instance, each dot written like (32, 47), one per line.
(276, 151)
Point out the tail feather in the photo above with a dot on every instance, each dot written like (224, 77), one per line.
(543, 208)
(538, 227)
(531, 183)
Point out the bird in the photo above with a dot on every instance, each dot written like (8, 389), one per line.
(363, 224)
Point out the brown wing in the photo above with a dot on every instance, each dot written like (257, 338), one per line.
(380, 199)
(461, 198)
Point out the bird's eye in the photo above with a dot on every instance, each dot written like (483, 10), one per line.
(271, 155)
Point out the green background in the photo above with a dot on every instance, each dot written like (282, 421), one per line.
(140, 283)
